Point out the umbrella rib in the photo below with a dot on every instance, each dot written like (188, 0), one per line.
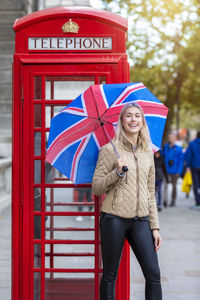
(109, 123)
(112, 115)
(69, 113)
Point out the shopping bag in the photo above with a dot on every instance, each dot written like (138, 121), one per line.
(187, 182)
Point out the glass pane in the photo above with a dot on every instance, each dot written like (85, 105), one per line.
(48, 173)
(68, 227)
(50, 112)
(48, 90)
(69, 286)
(76, 262)
(37, 171)
(37, 143)
(48, 115)
(37, 285)
(68, 248)
(37, 199)
(68, 199)
(37, 116)
(37, 256)
(66, 87)
(37, 227)
(53, 175)
(37, 87)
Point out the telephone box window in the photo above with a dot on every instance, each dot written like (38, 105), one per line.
(60, 200)
(70, 262)
(37, 116)
(56, 230)
(37, 285)
(69, 202)
(52, 175)
(37, 227)
(37, 88)
(66, 87)
(37, 143)
(50, 112)
(37, 171)
(69, 249)
(37, 256)
(37, 199)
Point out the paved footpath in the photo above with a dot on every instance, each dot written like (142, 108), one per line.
(179, 255)
(5, 254)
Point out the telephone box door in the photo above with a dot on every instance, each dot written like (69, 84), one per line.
(61, 244)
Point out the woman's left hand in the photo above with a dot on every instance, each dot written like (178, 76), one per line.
(157, 239)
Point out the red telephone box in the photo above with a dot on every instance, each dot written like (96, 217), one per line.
(59, 53)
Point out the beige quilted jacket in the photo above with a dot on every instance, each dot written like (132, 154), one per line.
(132, 195)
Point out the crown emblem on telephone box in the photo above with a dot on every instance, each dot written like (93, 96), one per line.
(70, 27)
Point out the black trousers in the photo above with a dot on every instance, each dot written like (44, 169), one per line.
(114, 230)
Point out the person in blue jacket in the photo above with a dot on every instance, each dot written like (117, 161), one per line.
(173, 157)
(192, 157)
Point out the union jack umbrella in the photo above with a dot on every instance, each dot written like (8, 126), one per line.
(87, 123)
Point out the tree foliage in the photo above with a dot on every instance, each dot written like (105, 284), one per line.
(163, 48)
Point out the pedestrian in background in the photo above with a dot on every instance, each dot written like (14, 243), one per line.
(173, 157)
(160, 174)
(192, 157)
(129, 209)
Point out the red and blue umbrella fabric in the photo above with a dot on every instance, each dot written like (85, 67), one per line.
(88, 122)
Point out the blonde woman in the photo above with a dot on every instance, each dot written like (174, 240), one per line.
(129, 210)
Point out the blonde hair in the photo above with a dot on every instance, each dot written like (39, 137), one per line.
(143, 140)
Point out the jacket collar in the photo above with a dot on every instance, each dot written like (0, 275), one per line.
(126, 143)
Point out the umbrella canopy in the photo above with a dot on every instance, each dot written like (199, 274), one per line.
(87, 123)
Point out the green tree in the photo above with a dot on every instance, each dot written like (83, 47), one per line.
(163, 47)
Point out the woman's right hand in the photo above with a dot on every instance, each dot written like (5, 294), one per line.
(122, 161)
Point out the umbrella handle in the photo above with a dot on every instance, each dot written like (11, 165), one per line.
(124, 168)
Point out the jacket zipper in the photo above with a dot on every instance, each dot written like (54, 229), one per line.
(137, 180)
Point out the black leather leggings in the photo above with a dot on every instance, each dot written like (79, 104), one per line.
(114, 230)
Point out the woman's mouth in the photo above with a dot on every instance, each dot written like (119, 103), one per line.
(133, 125)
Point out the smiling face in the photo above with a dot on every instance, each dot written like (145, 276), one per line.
(132, 121)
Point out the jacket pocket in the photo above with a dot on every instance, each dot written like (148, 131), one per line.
(117, 197)
(114, 200)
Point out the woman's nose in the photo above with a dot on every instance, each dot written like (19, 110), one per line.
(133, 118)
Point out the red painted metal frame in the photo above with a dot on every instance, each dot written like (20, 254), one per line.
(114, 67)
